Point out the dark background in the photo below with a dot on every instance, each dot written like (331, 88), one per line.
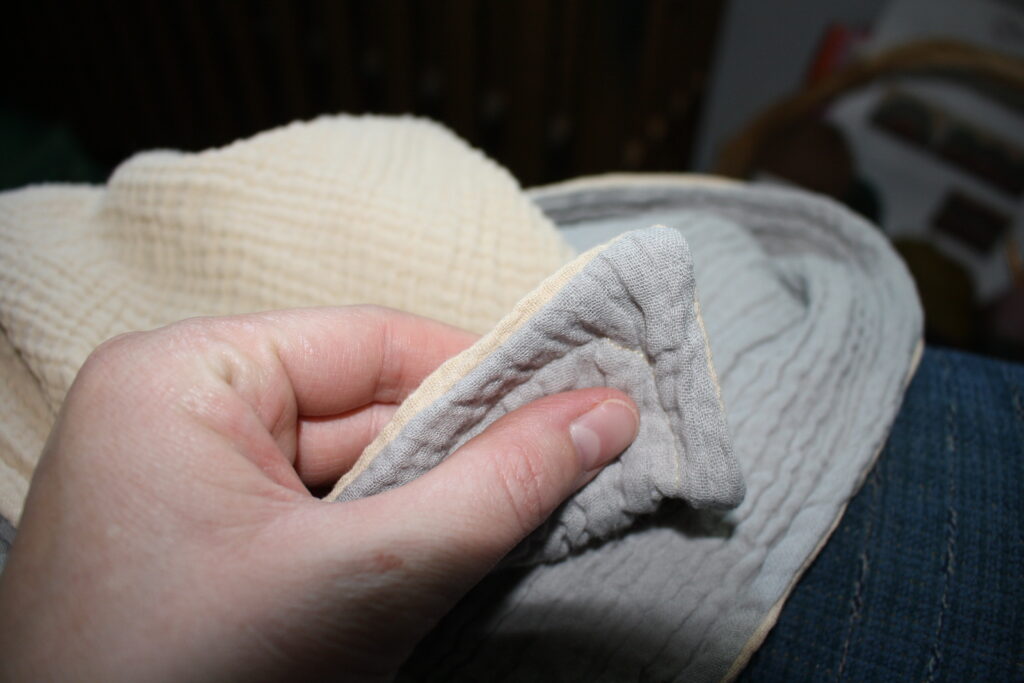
(550, 90)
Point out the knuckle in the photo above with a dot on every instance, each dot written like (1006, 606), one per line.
(197, 333)
(108, 372)
(112, 354)
(219, 342)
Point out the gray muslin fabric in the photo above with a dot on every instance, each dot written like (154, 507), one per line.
(629, 319)
(815, 329)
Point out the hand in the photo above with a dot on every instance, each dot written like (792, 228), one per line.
(169, 532)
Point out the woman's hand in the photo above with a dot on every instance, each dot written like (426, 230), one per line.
(170, 533)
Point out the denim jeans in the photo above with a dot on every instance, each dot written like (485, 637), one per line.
(923, 580)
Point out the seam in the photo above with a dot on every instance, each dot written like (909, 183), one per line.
(949, 557)
(857, 600)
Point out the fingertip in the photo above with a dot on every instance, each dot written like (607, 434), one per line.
(602, 433)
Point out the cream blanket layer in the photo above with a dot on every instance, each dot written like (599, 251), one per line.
(396, 212)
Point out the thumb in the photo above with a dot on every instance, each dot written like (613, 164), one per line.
(486, 497)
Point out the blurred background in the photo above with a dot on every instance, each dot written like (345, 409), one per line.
(911, 112)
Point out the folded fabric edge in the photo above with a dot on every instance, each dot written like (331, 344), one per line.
(772, 617)
(692, 182)
(446, 377)
(618, 179)
(457, 367)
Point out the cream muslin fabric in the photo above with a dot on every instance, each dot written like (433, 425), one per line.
(391, 211)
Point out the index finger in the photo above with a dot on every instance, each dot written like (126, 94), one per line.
(338, 359)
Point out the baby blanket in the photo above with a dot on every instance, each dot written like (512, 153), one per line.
(815, 330)
(624, 315)
(812, 321)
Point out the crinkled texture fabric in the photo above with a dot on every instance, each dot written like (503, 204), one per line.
(624, 315)
(340, 210)
(816, 330)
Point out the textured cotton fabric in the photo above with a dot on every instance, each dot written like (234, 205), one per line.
(342, 210)
(815, 330)
(623, 315)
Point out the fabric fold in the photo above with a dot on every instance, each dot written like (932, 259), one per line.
(623, 315)
(816, 330)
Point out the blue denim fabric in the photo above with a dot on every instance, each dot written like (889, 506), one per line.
(923, 579)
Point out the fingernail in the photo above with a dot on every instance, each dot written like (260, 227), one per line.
(602, 433)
